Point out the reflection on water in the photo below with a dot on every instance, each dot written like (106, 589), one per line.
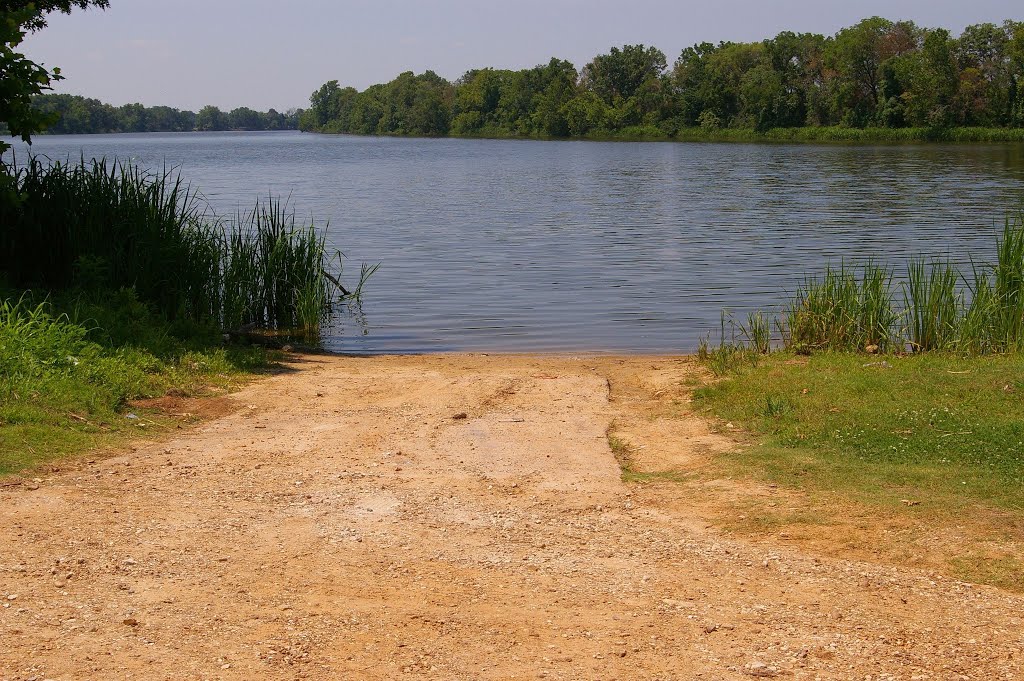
(577, 246)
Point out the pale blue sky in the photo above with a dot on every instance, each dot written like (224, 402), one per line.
(258, 53)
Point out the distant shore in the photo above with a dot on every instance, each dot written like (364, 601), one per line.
(814, 135)
(805, 134)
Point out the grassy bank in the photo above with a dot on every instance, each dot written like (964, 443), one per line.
(942, 430)
(855, 135)
(900, 398)
(70, 369)
(915, 459)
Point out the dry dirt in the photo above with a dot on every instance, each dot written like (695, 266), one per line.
(452, 517)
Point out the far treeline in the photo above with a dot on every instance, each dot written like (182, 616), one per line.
(74, 114)
(879, 74)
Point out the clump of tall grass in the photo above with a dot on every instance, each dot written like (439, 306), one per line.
(757, 332)
(855, 309)
(846, 309)
(276, 272)
(734, 351)
(994, 319)
(110, 225)
(933, 305)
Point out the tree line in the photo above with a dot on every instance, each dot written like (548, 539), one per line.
(877, 73)
(74, 114)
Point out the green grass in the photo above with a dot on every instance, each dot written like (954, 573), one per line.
(68, 371)
(939, 429)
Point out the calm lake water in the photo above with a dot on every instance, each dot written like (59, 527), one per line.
(584, 246)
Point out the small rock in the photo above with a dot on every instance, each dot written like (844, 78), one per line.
(760, 670)
(130, 621)
(460, 416)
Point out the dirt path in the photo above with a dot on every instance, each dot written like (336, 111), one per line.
(451, 517)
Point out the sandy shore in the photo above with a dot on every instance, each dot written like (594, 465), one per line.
(452, 517)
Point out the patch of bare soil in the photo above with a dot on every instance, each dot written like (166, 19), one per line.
(454, 517)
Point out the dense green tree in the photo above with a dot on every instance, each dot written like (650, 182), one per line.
(476, 98)
(877, 72)
(857, 55)
(244, 118)
(76, 114)
(628, 81)
(556, 86)
(586, 113)
(621, 73)
(1015, 53)
(799, 61)
(211, 118)
(931, 82)
(322, 104)
(986, 74)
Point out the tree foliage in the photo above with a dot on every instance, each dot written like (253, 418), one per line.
(21, 79)
(73, 114)
(877, 73)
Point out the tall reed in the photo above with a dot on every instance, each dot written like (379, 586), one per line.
(854, 309)
(112, 225)
(276, 272)
(932, 305)
(845, 309)
(1008, 287)
(122, 225)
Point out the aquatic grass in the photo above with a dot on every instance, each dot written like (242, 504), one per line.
(932, 305)
(877, 316)
(824, 313)
(855, 309)
(730, 354)
(109, 225)
(277, 271)
(757, 332)
(976, 332)
(1008, 286)
(113, 225)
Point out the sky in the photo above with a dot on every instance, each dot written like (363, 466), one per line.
(262, 54)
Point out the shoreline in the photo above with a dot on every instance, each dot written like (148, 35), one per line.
(806, 135)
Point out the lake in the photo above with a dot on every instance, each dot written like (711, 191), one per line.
(493, 245)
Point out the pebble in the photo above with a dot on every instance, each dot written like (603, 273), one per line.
(760, 670)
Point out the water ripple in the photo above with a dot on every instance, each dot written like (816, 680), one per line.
(580, 246)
